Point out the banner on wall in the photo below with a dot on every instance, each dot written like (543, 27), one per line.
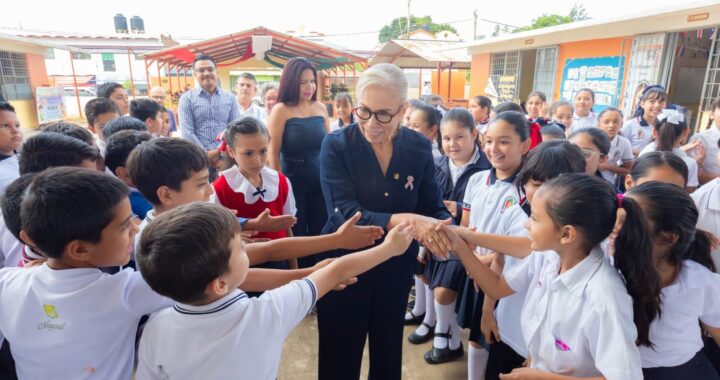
(50, 104)
(506, 88)
(603, 75)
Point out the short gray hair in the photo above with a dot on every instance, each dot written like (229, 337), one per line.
(267, 87)
(384, 74)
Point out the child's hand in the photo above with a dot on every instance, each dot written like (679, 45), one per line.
(489, 327)
(452, 208)
(345, 284)
(456, 242)
(268, 223)
(399, 238)
(353, 236)
(607, 165)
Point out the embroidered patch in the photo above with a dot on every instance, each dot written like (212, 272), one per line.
(509, 202)
(560, 345)
(50, 311)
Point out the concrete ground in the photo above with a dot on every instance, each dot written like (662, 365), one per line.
(299, 357)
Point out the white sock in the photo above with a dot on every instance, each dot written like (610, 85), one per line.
(444, 313)
(455, 338)
(419, 306)
(477, 362)
(429, 311)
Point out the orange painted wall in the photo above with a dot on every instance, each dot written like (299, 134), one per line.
(457, 90)
(479, 74)
(607, 47)
(37, 74)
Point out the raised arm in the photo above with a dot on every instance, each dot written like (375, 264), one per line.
(515, 246)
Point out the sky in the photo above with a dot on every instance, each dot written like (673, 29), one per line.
(354, 25)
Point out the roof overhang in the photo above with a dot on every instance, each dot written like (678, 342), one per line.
(422, 54)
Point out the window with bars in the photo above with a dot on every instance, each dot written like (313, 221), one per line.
(108, 60)
(505, 64)
(545, 69)
(14, 77)
(81, 56)
(645, 62)
(50, 53)
(711, 85)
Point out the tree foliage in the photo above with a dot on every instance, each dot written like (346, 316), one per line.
(577, 13)
(398, 27)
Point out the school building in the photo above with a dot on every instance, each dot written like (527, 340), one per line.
(676, 47)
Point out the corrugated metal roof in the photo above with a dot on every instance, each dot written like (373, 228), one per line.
(19, 44)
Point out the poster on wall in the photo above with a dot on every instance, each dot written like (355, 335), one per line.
(603, 75)
(50, 104)
(506, 88)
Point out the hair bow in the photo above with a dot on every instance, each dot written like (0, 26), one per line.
(672, 116)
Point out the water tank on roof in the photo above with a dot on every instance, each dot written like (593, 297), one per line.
(120, 23)
(137, 25)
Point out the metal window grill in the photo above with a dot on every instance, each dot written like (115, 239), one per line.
(645, 66)
(505, 64)
(546, 60)
(14, 77)
(711, 85)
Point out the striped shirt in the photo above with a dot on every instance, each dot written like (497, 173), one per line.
(204, 116)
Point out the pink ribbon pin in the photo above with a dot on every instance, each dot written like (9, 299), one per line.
(409, 184)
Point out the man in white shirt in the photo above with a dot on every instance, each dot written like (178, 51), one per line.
(246, 89)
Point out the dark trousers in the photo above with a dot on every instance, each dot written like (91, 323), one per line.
(7, 364)
(373, 308)
(697, 368)
(502, 359)
(712, 352)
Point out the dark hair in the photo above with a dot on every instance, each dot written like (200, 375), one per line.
(415, 103)
(610, 109)
(66, 204)
(5, 106)
(121, 144)
(715, 105)
(517, 120)
(164, 162)
(539, 94)
(598, 137)
(507, 106)
(651, 160)
(589, 91)
(106, 89)
(202, 57)
(123, 123)
(558, 104)
(186, 248)
(11, 201)
(289, 92)
(245, 126)
(590, 205)
(668, 132)
(249, 77)
(343, 97)
(432, 116)
(550, 159)
(460, 116)
(49, 149)
(70, 129)
(553, 130)
(483, 101)
(672, 210)
(143, 109)
(651, 92)
(98, 106)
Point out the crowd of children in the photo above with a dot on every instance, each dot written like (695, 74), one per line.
(582, 244)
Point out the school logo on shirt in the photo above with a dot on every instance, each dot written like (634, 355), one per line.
(509, 202)
(50, 311)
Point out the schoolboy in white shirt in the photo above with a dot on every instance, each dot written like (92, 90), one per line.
(65, 318)
(707, 201)
(100, 111)
(232, 335)
(10, 140)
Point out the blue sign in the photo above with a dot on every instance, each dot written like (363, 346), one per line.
(603, 75)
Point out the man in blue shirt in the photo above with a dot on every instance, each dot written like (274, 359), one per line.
(206, 110)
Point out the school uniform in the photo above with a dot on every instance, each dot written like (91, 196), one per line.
(9, 171)
(580, 322)
(511, 351)
(233, 337)
(620, 153)
(352, 181)
(337, 124)
(675, 334)
(709, 139)
(589, 121)
(235, 192)
(453, 181)
(707, 201)
(487, 199)
(689, 161)
(139, 204)
(638, 131)
(77, 323)
(10, 247)
(482, 127)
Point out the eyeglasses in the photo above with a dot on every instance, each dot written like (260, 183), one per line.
(589, 153)
(203, 70)
(382, 116)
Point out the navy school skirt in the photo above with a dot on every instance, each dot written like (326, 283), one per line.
(697, 368)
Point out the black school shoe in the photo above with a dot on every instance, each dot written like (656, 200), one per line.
(416, 338)
(444, 355)
(415, 320)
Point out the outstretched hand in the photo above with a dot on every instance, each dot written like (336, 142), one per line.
(433, 238)
(353, 236)
(399, 238)
(268, 223)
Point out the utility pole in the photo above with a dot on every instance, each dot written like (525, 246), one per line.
(408, 20)
(475, 16)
